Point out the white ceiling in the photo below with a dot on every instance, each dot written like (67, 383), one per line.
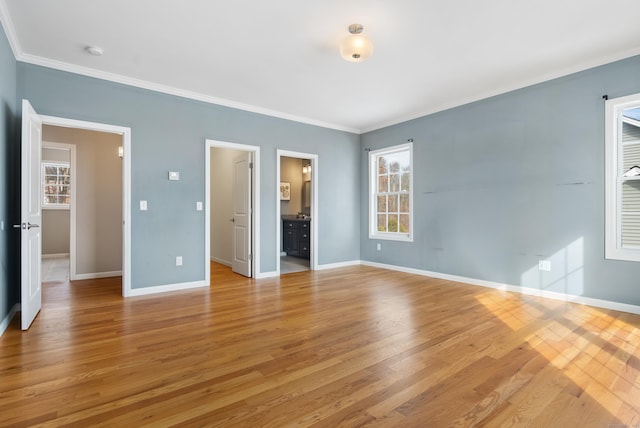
(281, 57)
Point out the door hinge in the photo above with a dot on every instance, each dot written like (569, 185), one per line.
(251, 257)
(250, 165)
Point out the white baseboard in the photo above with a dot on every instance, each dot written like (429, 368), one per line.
(221, 261)
(338, 265)
(55, 256)
(96, 275)
(7, 320)
(166, 288)
(598, 303)
(261, 275)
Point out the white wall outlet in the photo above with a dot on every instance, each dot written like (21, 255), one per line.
(143, 205)
(199, 206)
(544, 265)
(179, 261)
(378, 246)
(174, 175)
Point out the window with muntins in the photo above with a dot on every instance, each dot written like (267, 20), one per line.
(622, 235)
(56, 185)
(391, 190)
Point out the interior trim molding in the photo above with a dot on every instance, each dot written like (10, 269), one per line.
(171, 90)
(588, 301)
(55, 256)
(155, 289)
(272, 274)
(7, 320)
(97, 275)
(339, 265)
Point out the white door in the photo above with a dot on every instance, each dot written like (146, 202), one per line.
(241, 262)
(31, 239)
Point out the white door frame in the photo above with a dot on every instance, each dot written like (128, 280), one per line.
(255, 214)
(125, 132)
(313, 262)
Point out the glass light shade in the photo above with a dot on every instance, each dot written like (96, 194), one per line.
(356, 48)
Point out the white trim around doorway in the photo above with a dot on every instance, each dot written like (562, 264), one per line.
(125, 132)
(313, 263)
(255, 215)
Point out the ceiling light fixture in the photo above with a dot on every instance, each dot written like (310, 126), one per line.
(94, 50)
(356, 47)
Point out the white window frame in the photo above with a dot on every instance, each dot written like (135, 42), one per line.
(613, 183)
(373, 185)
(50, 206)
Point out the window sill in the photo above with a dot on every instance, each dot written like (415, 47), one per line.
(399, 237)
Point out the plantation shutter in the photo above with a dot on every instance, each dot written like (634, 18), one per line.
(629, 186)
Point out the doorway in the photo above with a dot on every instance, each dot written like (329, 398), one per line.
(297, 211)
(82, 199)
(105, 163)
(232, 207)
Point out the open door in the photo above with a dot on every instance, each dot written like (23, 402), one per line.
(31, 238)
(242, 184)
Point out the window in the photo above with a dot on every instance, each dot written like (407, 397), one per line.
(622, 237)
(56, 185)
(391, 193)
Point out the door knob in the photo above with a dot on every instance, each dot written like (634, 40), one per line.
(25, 226)
(232, 220)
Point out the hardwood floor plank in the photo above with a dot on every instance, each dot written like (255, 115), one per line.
(355, 346)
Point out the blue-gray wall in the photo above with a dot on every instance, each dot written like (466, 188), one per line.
(495, 188)
(168, 134)
(9, 158)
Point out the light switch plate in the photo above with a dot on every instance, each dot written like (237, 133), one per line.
(143, 205)
(199, 206)
(174, 175)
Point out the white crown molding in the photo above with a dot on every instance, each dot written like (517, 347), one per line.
(156, 87)
(9, 30)
(576, 68)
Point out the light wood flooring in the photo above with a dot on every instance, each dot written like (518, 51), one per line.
(348, 347)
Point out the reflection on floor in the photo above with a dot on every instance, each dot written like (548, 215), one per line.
(290, 264)
(55, 268)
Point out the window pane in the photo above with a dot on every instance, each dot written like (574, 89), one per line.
(50, 170)
(392, 224)
(382, 165)
(404, 183)
(66, 199)
(404, 223)
(383, 183)
(382, 222)
(394, 184)
(393, 203)
(382, 204)
(404, 203)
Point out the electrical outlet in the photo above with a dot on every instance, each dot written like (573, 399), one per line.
(378, 246)
(179, 261)
(544, 265)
